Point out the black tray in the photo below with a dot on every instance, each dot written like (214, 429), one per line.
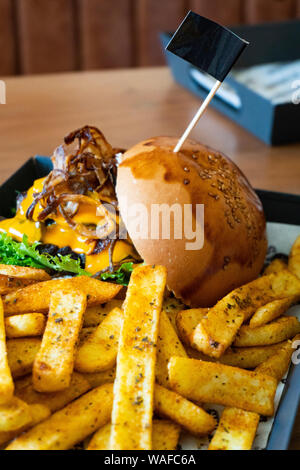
(279, 207)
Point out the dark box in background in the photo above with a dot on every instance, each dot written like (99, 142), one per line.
(269, 43)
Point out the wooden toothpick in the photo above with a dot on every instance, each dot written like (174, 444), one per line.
(197, 116)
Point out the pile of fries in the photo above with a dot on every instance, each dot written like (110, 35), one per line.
(79, 364)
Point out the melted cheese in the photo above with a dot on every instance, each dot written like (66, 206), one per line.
(27, 201)
(59, 233)
(19, 226)
(95, 263)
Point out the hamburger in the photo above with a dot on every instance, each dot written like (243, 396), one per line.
(234, 228)
(80, 211)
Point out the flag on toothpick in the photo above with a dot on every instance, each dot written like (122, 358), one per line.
(210, 47)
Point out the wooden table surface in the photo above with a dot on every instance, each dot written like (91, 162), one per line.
(128, 106)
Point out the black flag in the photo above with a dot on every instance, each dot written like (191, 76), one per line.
(207, 45)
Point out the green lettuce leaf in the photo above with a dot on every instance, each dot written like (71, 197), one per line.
(121, 276)
(24, 254)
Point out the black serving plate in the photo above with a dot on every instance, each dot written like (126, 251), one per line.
(279, 207)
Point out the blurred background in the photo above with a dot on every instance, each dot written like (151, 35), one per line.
(44, 36)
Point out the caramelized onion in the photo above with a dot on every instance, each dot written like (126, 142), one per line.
(85, 163)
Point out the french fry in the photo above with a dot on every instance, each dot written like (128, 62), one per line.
(236, 430)
(85, 333)
(28, 324)
(168, 345)
(245, 358)
(249, 358)
(294, 258)
(99, 351)
(209, 382)
(134, 384)
(172, 306)
(186, 322)
(101, 439)
(10, 284)
(178, 409)
(21, 272)
(215, 333)
(283, 284)
(6, 382)
(165, 436)
(38, 413)
(53, 365)
(276, 266)
(55, 400)
(195, 354)
(36, 298)
(271, 311)
(72, 424)
(95, 315)
(14, 415)
(21, 353)
(279, 330)
(100, 378)
(277, 365)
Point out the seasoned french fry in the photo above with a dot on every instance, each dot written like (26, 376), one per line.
(245, 358)
(271, 311)
(21, 272)
(55, 400)
(85, 333)
(71, 425)
(283, 284)
(236, 430)
(101, 439)
(209, 382)
(277, 365)
(279, 330)
(14, 415)
(134, 384)
(53, 365)
(194, 419)
(36, 298)
(99, 351)
(186, 322)
(38, 413)
(28, 324)
(95, 315)
(249, 358)
(215, 333)
(195, 354)
(165, 436)
(276, 266)
(172, 306)
(21, 353)
(294, 258)
(100, 378)
(168, 345)
(6, 382)
(10, 284)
